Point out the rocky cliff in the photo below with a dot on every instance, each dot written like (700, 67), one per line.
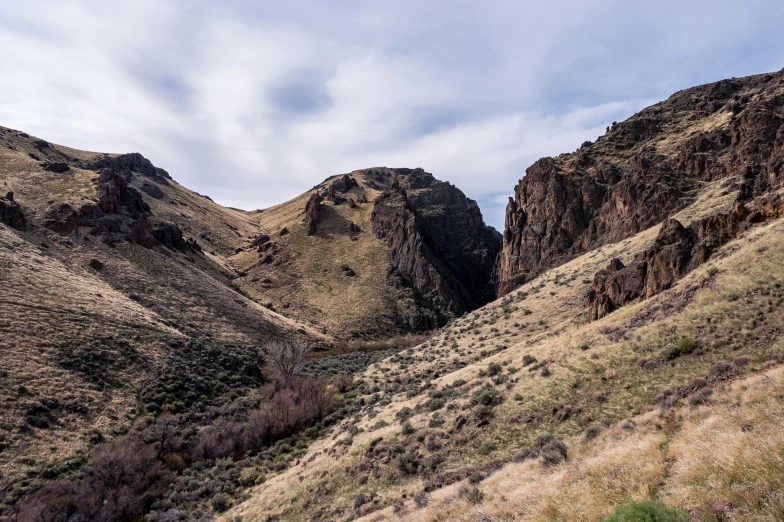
(642, 171)
(438, 245)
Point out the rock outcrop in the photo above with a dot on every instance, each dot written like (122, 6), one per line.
(11, 213)
(642, 171)
(677, 251)
(55, 166)
(438, 244)
(119, 213)
(128, 164)
(312, 209)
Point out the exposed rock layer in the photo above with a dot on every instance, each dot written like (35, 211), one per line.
(642, 171)
(119, 213)
(133, 163)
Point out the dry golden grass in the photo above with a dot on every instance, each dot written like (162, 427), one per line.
(730, 452)
(307, 272)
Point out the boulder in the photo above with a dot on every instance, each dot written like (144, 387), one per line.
(11, 213)
(56, 166)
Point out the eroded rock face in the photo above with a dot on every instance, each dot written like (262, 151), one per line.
(677, 251)
(312, 208)
(11, 212)
(642, 171)
(438, 245)
(115, 194)
(340, 186)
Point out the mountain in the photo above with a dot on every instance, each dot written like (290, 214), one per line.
(656, 163)
(381, 251)
(634, 354)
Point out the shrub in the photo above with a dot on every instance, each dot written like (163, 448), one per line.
(685, 347)
(471, 494)
(701, 397)
(494, 369)
(698, 382)
(648, 511)
(408, 428)
(408, 462)
(591, 432)
(487, 447)
(421, 499)
(528, 359)
(220, 502)
(404, 414)
(525, 454)
(553, 453)
(486, 396)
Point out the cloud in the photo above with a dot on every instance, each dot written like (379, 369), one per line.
(255, 102)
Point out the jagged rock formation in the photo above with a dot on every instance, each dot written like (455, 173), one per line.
(677, 251)
(120, 212)
(312, 208)
(341, 185)
(438, 244)
(642, 171)
(11, 213)
(56, 166)
(133, 163)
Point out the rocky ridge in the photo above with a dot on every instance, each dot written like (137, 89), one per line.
(643, 170)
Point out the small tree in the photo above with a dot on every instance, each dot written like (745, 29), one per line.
(285, 359)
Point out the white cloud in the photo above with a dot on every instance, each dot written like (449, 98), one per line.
(253, 103)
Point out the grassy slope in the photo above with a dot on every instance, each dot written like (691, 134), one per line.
(307, 274)
(593, 369)
(53, 305)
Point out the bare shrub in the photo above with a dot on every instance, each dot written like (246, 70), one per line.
(287, 410)
(285, 359)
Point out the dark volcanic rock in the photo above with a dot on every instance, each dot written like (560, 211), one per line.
(312, 208)
(133, 163)
(152, 190)
(438, 245)
(96, 264)
(120, 211)
(677, 251)
(56, 166)
(114, 193)
(637, 175)
(37, 422)
(11, 213)
(260, 240)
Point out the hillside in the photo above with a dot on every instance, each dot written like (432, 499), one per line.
(100, 295)
(114, 276)
(641, 171)
(541, 406)
(390, 250)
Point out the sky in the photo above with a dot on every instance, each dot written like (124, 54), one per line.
(254, 102)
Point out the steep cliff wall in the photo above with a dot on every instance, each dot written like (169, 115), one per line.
(643, 170)
(438, 245)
